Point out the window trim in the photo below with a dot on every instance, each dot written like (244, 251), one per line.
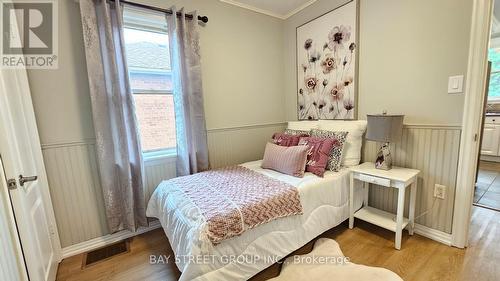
(151, 92)
(137, 18)
(149, 70)
(152, 71)
(493, 100)
(159, 154)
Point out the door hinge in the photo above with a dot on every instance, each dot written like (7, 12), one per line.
(11, 184)
(475, 137)
(51, 229)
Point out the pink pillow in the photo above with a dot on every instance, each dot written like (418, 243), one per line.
(283, 139)
(319, 151)
(287, 160)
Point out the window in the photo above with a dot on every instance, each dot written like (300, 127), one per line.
(494, 87)
(148, 59)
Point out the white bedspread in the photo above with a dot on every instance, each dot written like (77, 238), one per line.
(325, 204)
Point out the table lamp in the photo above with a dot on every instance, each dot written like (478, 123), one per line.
(386, 129)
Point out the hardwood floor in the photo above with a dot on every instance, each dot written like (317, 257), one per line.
(487, 191)
(419, 258)
(489, 165)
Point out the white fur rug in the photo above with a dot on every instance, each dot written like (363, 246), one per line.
(327, 262)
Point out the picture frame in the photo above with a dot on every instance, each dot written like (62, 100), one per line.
(327, 59)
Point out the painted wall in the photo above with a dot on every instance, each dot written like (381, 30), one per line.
(407, 50)
(242, 72)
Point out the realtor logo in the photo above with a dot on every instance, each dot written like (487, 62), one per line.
(29, 34)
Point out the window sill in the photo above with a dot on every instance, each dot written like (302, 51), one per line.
(493, 101)
(154, 156)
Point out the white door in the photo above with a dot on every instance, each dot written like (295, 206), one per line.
(22, 158)
(11, 256)
(491, 140)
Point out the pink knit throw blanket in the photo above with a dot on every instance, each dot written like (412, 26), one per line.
(235, 199)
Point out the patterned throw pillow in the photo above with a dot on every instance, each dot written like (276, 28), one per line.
(335, 158)
(297, 132)
(319, 151)
(283, 139)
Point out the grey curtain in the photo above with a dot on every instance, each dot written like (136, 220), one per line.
(192, 148)
(118, 148)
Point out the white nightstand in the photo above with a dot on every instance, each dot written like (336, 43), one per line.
(398, 178)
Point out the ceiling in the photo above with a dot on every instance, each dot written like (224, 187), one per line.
(281, 9)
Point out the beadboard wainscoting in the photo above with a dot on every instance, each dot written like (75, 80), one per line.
(231, 146)
(79, 207)
(77, 195)
(157, 171)
(76, 191)
(434, 151)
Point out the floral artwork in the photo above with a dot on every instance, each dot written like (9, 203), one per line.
(326, 70)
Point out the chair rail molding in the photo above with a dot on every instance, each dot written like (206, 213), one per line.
(245, 127)
(473, 110)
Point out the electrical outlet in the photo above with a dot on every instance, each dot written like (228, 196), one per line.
(440, 191)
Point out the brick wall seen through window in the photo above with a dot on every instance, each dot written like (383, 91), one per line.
(150, 77)
(155, 115)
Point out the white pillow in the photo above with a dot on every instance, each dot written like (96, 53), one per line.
(303, 125)
(351, 155)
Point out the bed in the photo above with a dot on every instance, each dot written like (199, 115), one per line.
(324, 202)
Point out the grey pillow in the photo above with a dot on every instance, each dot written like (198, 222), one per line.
(335, 157)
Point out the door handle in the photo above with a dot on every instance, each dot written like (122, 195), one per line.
(23, 180)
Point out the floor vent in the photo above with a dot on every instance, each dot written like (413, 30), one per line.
(106, 253)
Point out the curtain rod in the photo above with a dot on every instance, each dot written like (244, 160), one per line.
(203, 19)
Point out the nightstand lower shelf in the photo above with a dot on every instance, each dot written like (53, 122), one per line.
(397, 178)
(380, 218)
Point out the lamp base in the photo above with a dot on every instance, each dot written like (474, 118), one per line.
(384, 159)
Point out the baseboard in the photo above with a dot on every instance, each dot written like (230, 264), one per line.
(99, 242)
(490, 158)
(433, 234)
(109, 239)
